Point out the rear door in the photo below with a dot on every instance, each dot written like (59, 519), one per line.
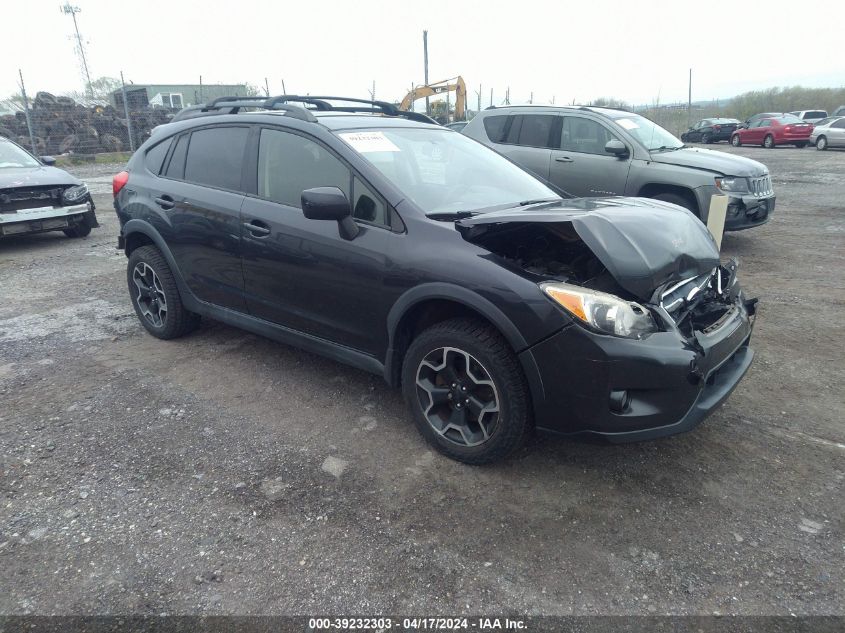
(581, 166)
(526, 139)
(836, 133)
(201, 193)
(300, 273)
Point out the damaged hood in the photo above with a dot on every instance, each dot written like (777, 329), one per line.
(40, 176)
(643, 243)
(712, 161)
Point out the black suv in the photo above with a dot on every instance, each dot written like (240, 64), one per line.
(375, 238)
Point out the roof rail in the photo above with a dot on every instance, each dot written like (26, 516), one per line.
(232, 105)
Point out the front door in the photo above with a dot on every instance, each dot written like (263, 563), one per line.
(581, 166)
(300, 273)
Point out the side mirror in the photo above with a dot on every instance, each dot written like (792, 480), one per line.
(330, 203)
(48, 160)
(616, 147)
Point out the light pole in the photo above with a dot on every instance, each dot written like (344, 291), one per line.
(68, 9)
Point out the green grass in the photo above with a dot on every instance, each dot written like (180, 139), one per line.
(81, 159)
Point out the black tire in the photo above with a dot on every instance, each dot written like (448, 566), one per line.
(705, 138)
(80, 230)
(821, 143)
(769, 142)
(176, 321)
(801, 145)
(491, 356)
(678, 199)
(735, 141)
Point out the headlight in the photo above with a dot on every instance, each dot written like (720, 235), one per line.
(73, 195)
(602, 311)
(732, 184)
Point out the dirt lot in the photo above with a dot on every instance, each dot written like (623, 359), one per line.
(224, 473)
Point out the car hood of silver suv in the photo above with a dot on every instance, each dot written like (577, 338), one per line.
(719, 163)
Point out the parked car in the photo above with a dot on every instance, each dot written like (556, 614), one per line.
(599, 152)
(710, 131)
(753, 120)
(457, 125)
(770, 132)
(810, 116)
(840, 111)
(36, 197)
(409, 250)
(830, 134)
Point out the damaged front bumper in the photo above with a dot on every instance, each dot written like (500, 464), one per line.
(631, 390)
(47, 218)
(748, 211)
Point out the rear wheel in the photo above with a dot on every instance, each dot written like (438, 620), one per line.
(735, 140)
(155, 295)
(466, 391)
(80, 230)
(801, 145)
(821, 143)
(769, 141)
(705, 138)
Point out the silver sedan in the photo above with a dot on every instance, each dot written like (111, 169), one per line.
(829, 133)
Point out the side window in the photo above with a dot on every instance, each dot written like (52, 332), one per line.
(176, 166)
(215, 157)
(536, 130)
(766, 123)
(367, 206)
(495, 127)
(290, 163)
(154, 157)
(585, 136)
(838, 124)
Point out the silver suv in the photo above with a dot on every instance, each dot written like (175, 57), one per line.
(602, 152)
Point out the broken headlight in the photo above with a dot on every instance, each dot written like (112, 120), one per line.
(72, 195)
(604, 312)
(732, 184)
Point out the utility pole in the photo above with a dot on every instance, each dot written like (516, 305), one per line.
(68, 9)
(491, 97)
(266, 87)
(478, 94)
(200, 100)
(373, 91)
(425, 70)
(126, 112)
(689, 101)
(531, 98)
(26, 112)
(508, 95)
(284, 90)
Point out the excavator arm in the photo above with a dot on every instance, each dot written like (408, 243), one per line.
(455, 84)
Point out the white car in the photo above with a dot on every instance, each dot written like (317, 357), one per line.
(810, 116)
(831, 133)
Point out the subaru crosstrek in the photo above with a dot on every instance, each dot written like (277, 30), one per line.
(411, 251)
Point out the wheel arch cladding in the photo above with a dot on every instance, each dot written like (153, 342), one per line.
(139, 233)
(655, 188)
(427, 304)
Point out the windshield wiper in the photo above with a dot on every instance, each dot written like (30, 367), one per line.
(525, 203)
(449, 215)
(664, 148)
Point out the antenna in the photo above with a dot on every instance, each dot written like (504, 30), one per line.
(68, 9)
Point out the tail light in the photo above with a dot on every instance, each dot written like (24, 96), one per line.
(788, 128)
(119, 181)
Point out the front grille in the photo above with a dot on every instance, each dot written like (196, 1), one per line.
(761, 187)
(12, 200)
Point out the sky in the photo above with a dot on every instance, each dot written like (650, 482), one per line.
(568, 51)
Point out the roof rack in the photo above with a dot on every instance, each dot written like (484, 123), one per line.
(232, 105)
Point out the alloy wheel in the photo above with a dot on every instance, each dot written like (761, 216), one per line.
(457, 396)
(150, 298)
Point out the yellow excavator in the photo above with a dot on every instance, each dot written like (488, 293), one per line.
(455, 84)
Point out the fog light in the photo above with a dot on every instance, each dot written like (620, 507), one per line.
(619, 401)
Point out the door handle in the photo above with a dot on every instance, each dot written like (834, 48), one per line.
(564, 159)
(257, 228)
(165, 202)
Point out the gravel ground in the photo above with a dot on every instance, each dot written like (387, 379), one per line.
(226, 474)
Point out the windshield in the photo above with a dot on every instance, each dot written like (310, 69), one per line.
(648, 132)
(13, 156)
(445, 172)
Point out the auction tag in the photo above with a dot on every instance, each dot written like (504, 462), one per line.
(364, 142)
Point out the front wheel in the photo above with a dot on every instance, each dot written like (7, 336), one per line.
(680, 200)
(769, 142)
(705, 138)
(466, 391)
(155, 295)
(821, 143)
(801, 145)
(735, 140)
(80, 230)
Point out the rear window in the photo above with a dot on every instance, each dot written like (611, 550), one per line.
(787, 118)
(495, 127)
(536, 130)
(215, 156)
(176, 166)
(155, 156)
(815, 114)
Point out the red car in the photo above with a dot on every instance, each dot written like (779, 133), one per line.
(785, 129)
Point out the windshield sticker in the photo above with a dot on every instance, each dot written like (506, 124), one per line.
(364, 142)
(628, 124)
